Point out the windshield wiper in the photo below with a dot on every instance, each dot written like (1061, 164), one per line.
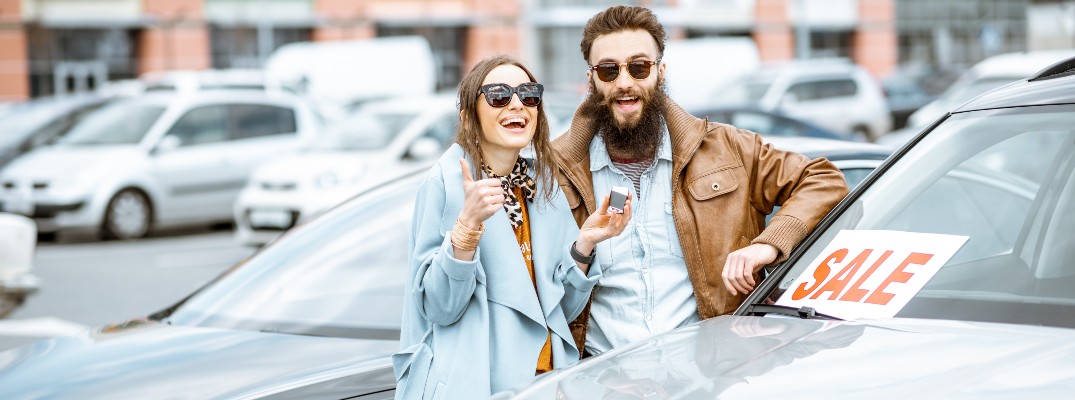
(801, 312)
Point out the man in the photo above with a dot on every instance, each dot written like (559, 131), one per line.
(700, 192)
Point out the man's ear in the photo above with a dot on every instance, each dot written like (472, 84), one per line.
(660, 70)
(589, 74)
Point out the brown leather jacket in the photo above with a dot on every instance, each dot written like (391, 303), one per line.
(725, 181)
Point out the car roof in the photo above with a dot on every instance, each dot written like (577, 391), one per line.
(1019, 64)
(1053, 85)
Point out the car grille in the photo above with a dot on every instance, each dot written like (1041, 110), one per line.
(278, 186)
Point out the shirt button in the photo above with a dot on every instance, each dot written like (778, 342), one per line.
(649, 317)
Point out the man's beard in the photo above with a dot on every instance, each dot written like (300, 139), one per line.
(634, 140)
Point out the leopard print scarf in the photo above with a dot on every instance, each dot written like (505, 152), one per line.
(517, 177)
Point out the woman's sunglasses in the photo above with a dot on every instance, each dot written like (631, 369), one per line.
(499, 94)
(609, 71)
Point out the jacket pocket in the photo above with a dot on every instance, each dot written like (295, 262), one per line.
(714, 183)
(411, 366)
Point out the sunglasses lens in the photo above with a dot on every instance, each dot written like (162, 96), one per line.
(497, 95)
(639, 69)
(607, 72)
(529, 94)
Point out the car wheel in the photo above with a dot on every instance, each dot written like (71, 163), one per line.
(863, 133)
(9, 302)
(128, 216)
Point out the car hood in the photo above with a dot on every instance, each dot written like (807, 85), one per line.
(59, 161)
(736, 357)
(150, 360)
(306, 167)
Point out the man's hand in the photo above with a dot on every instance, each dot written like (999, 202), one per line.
(741, 265)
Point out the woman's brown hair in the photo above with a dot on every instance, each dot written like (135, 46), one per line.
(469, 133)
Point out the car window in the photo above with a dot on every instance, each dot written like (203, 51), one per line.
(443, 131)
(118, 123)
(363, 131)
(340, 275)
(201, 125)
(257, 120)
(818, 90)
(1001, 178)
(765, 124)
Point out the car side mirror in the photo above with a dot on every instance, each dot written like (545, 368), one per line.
(168, 143)
(424, 148)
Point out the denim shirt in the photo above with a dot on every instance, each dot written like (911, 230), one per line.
(644, 289)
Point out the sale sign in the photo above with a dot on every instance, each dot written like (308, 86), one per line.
(870, 274)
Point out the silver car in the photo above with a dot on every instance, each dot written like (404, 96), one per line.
(153, 161)
(947, 274)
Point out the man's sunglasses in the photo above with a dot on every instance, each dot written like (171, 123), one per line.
(499, 94)
(609, 71)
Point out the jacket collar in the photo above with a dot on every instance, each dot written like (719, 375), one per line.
(685, 132)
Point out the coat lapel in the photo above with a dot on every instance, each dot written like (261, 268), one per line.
(508, 280)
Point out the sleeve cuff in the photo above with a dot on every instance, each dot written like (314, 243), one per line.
(456, 269)
(784, 233)
(570, 273)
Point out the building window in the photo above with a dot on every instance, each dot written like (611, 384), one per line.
(69, 60)
(830, 44)
(245, 46)
(448, 44)
(561, 64)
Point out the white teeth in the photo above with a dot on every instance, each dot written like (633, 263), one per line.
(513, 120)
(627, 98)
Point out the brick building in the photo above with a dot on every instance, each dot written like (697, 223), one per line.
(60, 46)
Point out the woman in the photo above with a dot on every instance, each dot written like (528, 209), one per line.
(493, 281)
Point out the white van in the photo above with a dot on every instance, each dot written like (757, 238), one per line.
(337, 76)
(986, 75)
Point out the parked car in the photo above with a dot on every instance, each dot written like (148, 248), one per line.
(948, 273)
(381, 140)
(154, 161)
(315, 314)
(18, 238)
(904, 96)
(769, 123)
(988, 74)
(35, 123)
(377, 143)
(834, 94)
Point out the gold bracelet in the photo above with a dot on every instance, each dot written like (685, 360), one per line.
(464, 238)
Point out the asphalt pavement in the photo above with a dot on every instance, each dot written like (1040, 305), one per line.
(85, 284)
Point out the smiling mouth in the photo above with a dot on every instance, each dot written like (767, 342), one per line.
(627, 101)
(514, 122)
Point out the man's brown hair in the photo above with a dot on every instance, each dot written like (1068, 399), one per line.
(622, 18)
(469, 132)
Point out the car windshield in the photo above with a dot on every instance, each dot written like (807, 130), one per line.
(749, 91)
(1001, 179)
(341, 275)
(365, 131)
(119, 123)
(33, 116)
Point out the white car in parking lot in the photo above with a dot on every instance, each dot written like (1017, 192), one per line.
(380, 141)
(834, 94)
(153, 161)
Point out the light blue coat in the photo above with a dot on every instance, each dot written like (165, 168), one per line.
(471, 329)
